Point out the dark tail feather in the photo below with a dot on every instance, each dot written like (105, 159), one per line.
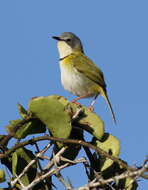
(104, 94)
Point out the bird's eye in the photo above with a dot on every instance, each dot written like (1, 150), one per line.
(68, 40)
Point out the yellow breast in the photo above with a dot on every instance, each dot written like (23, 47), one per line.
(74, 81)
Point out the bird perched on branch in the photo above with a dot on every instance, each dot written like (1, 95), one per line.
(79, 75)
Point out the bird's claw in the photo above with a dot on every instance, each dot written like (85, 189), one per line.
(75, 102)
(91, 108)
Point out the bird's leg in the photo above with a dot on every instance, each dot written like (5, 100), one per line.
(80, 97)
(91, 107)
(76, 99)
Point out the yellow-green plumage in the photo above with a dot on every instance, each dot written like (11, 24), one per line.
(73, 77)
(79, 75)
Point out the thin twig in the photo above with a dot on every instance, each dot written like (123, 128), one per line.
(56, 156)
(76, 115)
(29, 165)
(42, 177)
(53, 171)
(73, 161)
(38, 161)
(5, 140)
(71, 141)
(127, 174)
(63, 181)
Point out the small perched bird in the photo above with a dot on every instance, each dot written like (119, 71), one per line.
(79, 75)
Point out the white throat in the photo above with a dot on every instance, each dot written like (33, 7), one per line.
(64, 49)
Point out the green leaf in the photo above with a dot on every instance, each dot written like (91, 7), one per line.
(12, 124)
(2, 176)
(72, 149)
(14, 162)
(22, 111)
(111, 145)
(88, 120)
(127, 183)
(61, 99)
(33, 127)
(53, 114)
(130, 184)
(20, 159)
(92, 123)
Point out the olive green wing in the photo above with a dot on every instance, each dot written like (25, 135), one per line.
(84, 65)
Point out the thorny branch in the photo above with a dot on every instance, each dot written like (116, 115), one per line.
(29, 165)
(133, 174)
(52, 168)
(70, 141)
(6, 138)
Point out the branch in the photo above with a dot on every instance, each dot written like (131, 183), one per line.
(65, 141)
(29, 165)
(71, 141)
(5, 140)
(54, 171)
(127, 174)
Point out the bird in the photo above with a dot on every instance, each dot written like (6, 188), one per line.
(79, 75)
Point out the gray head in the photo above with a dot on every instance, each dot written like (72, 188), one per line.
(68, 43)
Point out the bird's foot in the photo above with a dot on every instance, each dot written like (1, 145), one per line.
(73, 101)
(91, 108)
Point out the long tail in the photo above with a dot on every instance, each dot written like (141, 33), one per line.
(104, 94)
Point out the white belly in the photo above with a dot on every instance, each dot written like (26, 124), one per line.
(76, 83)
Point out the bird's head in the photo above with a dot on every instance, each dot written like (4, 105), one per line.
(68, 43)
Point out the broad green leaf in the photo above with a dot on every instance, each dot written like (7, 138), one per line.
(20, 159)
(111, 145)
(72, 149)
(92, 123)
(53, 114)
(61, 99)
(88, 120)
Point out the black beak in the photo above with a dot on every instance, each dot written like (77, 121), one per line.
(56, 38)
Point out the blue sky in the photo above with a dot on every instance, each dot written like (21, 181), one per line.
(115, 36)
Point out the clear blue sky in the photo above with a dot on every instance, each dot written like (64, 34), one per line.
(115, 37)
